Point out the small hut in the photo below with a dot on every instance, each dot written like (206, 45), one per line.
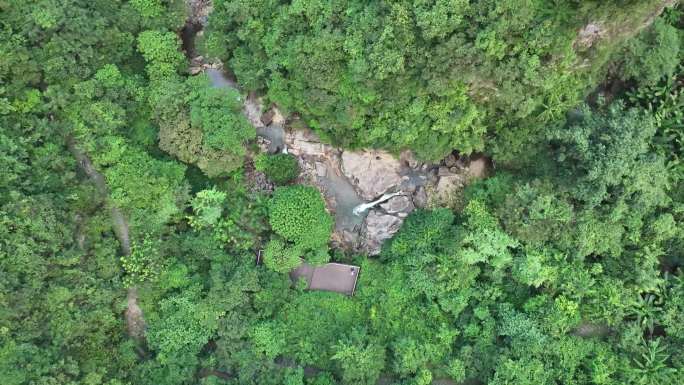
(337, 277)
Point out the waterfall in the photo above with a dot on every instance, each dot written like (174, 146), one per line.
(360, 209)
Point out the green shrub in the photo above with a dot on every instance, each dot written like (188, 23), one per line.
(207, 206)
(654, 54)
(297, 213)
(424, 231)
(280, 257)
(144, 263)
(280, 168)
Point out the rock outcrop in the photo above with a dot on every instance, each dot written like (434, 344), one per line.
(378, 228)
(349, 178)
(373, 173)
(306, 143)
(400, 205)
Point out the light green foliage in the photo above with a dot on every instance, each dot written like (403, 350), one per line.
(281, 257)
(183, 327)
(311, 339)
(59, 268)
(161, 51)
(298, 214)
(150, 191)
(457, 370)
(361, 363)
(654, 54)
(148, 8)
(484, 240)
(266, 341)
(217, 112)
(208, 207)
(280, 168)
(562, 268)
(144, 263)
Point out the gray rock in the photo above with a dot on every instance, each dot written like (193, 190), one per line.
(194, 70)
(378, 228)
(420, 198)
(478, 167)
(461, 163)
(398, 204)
(443, 171)
(588, 35)
(373, 173)
(321, 169)
(446, 187)
(407, 158)
(304, 143)
(252, 110)
(433, 176)
(263, 143)
(267, 117)
(450, 161)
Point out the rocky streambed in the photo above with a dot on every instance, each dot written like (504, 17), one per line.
(392, 186)
(388, 187)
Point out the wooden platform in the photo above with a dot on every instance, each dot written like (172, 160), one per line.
(336, 277)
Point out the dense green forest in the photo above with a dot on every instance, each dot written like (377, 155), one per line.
(130, 223)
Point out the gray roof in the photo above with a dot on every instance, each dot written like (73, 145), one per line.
(336, 277)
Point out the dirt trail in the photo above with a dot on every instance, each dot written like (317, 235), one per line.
(135, 322)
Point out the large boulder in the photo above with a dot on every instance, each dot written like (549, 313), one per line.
(446, 189)
(305, 143)
(479, 167)
(373, 173)
(377, 229)
(399, 205)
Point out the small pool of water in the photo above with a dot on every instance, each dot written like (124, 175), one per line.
(219, 79)
(346, 200)
(275, 134)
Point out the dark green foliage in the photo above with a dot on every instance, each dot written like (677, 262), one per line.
(429, 75)
(422, 232)
(280, 168)
(201, 125)
(606, 151)
(566, 270)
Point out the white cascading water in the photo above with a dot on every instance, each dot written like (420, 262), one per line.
(360, 209)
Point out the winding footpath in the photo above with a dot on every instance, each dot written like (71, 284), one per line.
(135, 322)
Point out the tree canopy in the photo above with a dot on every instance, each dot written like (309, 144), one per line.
(131, 215)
